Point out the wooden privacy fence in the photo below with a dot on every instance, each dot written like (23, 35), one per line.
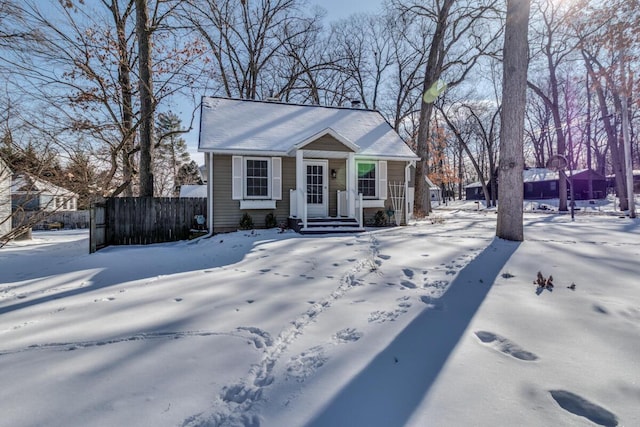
(144, 220)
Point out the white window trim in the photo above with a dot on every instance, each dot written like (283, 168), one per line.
(257, 204)
(381, 183)
(244, 178)
(239, 181)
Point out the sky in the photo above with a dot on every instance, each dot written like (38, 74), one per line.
(434, 323)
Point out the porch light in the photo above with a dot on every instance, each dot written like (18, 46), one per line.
(334, 173)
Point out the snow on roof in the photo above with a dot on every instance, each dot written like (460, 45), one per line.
(27, 183)
(543, 174)
(193, 191)
(246, 126)
(430, 183)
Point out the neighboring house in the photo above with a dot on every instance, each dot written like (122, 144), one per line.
(541, 183)
(474, 191)
(5, 198)
(193, 190)
(611, 182)
(30, 193)
(300, 162)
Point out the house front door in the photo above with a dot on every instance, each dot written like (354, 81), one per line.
(317, 187)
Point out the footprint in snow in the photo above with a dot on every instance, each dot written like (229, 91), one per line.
(347, 335)
(302, 366)
(432, 303)
(582, 407)
(505, 346)
(600, 309)
(408, 272)
(258, 337)
(408, 284)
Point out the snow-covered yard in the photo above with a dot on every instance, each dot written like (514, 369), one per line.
(433, 324)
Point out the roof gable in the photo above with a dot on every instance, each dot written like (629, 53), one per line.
(243, 126)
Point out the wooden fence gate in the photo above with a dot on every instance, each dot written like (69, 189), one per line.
(145, 220)
(97, 227)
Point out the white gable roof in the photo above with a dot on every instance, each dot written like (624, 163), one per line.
(26, 183)
(256, 127)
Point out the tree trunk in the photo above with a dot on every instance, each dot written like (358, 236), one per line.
(432, 74)
(147, 106)
(514, 90)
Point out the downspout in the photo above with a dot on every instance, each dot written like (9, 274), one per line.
(210, 195)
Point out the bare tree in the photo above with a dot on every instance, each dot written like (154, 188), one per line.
(514, 89)
(607, 38)
(245, 38)
(463, 31)
(147, 102)
(79, 69)
(556, 45)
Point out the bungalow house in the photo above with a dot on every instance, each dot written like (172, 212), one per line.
(317, 167)
(30, 193)
(5, 199)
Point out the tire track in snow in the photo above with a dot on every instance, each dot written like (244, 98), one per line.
(237, 400)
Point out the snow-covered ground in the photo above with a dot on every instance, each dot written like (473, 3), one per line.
(434, 324)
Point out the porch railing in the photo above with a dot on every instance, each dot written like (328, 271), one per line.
(342, 208)
(293, 205)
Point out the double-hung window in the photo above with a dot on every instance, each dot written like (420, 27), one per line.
(367, 179)
(256, 181)
(372, 179)
(257, 178)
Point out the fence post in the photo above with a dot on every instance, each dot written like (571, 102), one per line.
(92, 229)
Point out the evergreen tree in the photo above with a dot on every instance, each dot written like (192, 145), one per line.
(170, 155)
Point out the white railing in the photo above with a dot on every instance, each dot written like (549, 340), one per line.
(343, 207)
(293, 203)
(293, 206)
(304, 209)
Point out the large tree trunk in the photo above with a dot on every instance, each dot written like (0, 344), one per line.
(432, 74)
(147, 105)
(514, 90)
(126, 91)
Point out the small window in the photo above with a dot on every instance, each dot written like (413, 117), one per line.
(552, 186)
(257, 178)
(367, 179)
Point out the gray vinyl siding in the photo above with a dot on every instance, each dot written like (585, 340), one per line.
(226, 211)
(327, 143)
(395, 173)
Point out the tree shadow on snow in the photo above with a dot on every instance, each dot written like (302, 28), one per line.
(389, 390)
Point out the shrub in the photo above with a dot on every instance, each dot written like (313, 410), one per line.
(246, 222)
(379, 219)
(270, 220)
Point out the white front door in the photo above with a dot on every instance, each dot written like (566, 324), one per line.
(317, 187)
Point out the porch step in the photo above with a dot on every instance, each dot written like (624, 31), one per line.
(329, 225)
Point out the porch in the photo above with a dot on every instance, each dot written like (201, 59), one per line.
(303, 223)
